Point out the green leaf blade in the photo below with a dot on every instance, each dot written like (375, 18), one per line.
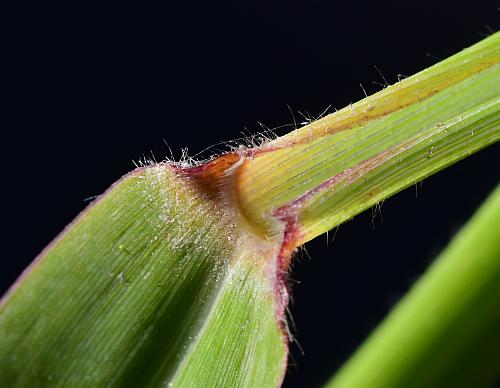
(120, 297)
(244, 312)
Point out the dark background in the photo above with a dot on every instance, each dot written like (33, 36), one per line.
(94, 91)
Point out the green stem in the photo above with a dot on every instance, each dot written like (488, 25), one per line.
(445, 332)
(331, 170)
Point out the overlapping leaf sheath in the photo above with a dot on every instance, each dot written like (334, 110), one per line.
(177, 274)
(330, 170)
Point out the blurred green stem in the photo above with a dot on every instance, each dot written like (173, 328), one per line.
(446, 331)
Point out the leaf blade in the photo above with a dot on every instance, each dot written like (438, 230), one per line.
(122, 294)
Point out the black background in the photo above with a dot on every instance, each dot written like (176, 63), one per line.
(95, 90)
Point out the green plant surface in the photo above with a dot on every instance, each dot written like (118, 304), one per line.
(348, 161)
(176, 276)
(445, 332)
(145, 288)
